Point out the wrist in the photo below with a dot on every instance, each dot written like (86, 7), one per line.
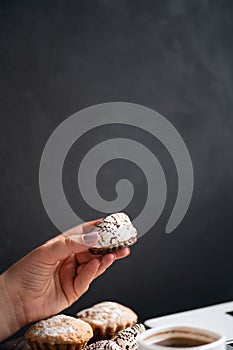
(11, 315)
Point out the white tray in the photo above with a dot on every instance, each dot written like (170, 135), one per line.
(212, 317)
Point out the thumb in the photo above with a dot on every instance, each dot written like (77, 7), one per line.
(62, 246)
(87, 239)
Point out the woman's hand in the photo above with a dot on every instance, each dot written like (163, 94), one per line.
(50, 278)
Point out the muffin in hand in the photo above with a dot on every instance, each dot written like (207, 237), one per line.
(116, 231)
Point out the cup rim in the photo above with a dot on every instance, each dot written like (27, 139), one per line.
(158, 329)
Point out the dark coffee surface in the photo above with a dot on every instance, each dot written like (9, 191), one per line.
(181, 342)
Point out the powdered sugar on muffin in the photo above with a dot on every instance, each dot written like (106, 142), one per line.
(103, 345)
(107, 318)
(115, 231)
(127, 338)
(59, 330)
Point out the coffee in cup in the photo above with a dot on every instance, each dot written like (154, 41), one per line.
(180, 337)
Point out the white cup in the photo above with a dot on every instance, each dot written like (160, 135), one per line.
(180, 337)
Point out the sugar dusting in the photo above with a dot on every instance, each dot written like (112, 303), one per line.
(101, 313)
(103, 345)
(56, 326)
(114, 229)
(127, 338)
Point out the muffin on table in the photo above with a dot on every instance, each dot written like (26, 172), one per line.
(59, 332)
(107, 318)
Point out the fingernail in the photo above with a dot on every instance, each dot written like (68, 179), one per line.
(90, 237)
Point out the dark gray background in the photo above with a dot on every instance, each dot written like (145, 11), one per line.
(57, 57)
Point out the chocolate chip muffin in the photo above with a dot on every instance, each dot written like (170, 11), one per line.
(115, 232)
(103, 345)
(127, 338)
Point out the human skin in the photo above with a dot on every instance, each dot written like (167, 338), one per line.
(50, 278)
